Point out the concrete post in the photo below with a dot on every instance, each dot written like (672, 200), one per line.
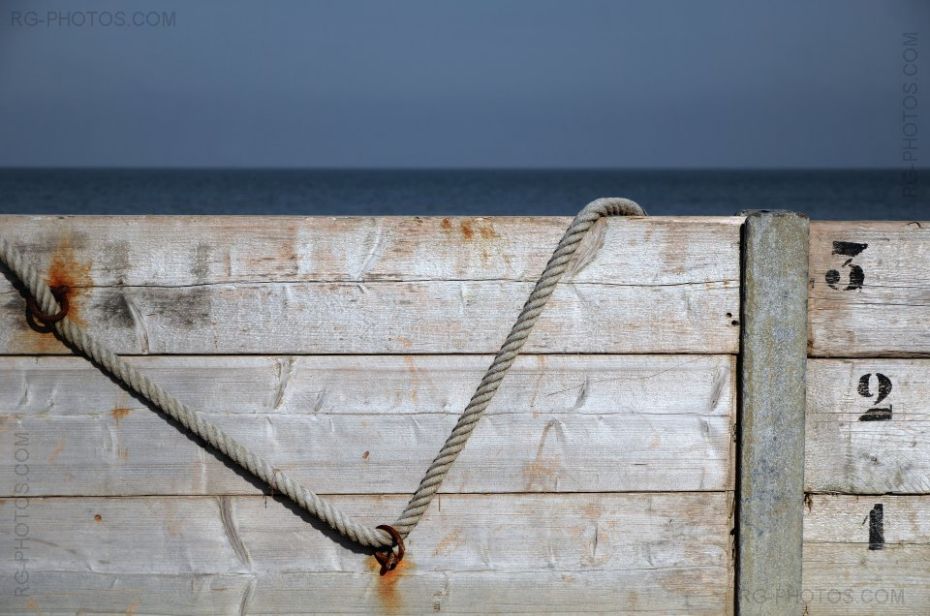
(771, 422)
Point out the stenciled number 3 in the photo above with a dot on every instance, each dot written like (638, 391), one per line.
(856, 275)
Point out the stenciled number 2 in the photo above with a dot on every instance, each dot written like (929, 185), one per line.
(876, 413)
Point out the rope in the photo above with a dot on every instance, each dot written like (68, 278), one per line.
(280, 481)
(505, 357)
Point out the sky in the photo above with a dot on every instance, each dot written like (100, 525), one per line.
(441, 83)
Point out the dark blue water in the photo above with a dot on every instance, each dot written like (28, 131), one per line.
(843, 195)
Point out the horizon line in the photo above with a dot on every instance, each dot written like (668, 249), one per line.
(902, 169)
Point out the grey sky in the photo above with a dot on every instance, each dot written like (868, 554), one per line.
(518, 83)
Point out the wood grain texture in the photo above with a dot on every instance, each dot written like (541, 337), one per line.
(343, 349)
(842, 576)
(848, 455)
(584, 553)
(888, 315)
(378, 285)
(345, 424)
(204, 250)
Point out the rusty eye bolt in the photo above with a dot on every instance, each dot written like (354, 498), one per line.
(47, 320)
(389, 558)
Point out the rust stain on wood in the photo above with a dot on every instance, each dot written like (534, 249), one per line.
(120, 412)
(98, 518)
(467, 231)
(66, 270)
(388, 594)
(469, 228)
(414, 376)
(449, 543)
(592, 510)
(59, 447)
(541, 473)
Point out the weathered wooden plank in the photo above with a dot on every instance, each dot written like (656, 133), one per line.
(870, 289)
(415, 317)
(772, 371)
(617, 553)
(346, 424)
(868, 426)
(406, 384)
(848, 572)
(379, 285)
(204, 250)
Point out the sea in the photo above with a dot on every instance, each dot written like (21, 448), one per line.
(821, 194)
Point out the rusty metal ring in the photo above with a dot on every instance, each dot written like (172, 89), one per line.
(388, 558)
(61, 294)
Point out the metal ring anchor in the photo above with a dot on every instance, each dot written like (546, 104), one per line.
(47, 320)
(388, 558)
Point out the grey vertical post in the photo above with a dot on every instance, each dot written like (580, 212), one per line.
(772, 400)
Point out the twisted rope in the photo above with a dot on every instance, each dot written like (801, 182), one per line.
(505, 357)
(280, 481)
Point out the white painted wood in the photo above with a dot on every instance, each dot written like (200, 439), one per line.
(391, 285)
(580, 553)
(345, 424)
(888, 316)
(842, 576)
(846, 454)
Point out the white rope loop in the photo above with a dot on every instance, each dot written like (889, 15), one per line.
(280, 481)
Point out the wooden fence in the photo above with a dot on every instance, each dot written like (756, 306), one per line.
(602, 478)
